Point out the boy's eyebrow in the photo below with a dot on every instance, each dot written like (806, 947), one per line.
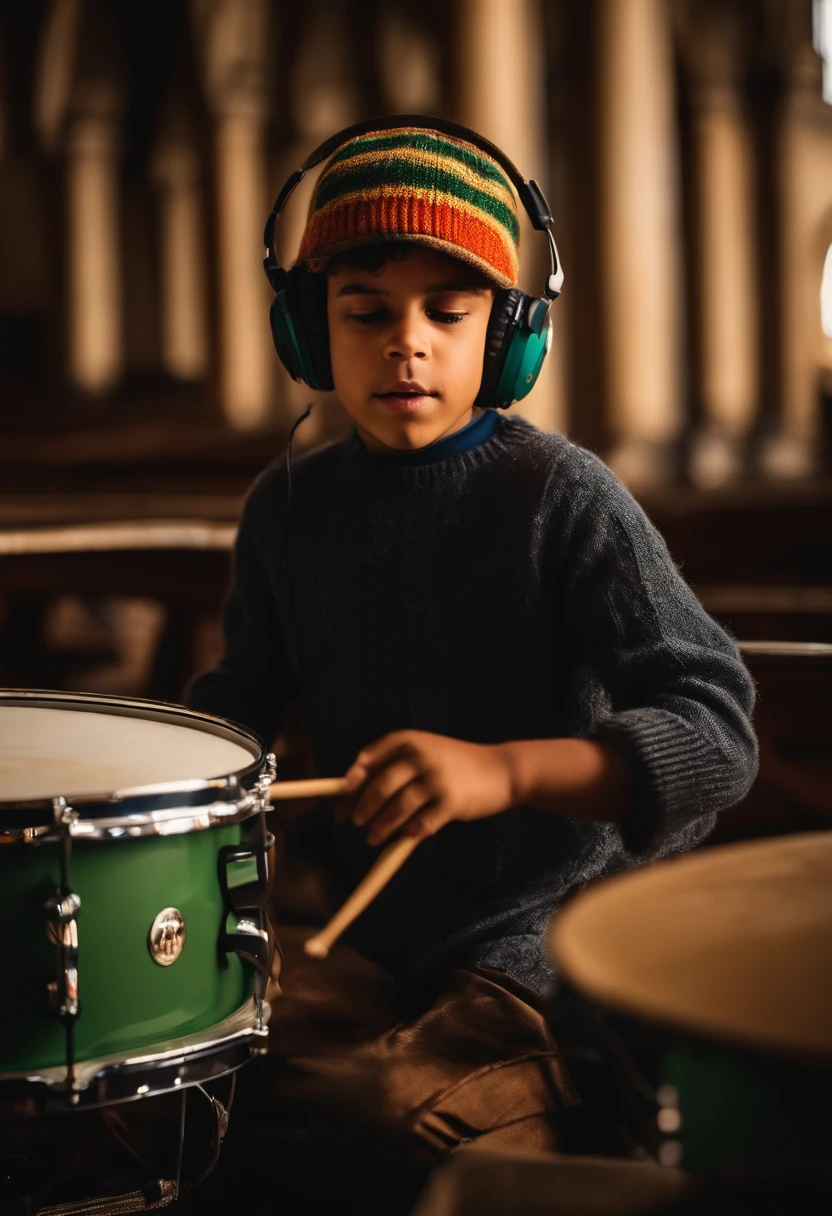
(467, 289)
(359, 289)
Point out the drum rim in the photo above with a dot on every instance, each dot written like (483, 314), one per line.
(159, 1068)
(158, 809)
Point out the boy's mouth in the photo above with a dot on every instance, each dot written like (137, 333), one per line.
(406, 397)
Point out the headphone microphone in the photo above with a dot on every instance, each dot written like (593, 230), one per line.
(519, 329)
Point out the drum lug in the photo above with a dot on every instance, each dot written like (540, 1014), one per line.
(61, 911)
(251, 940)
(252, 943)
(62, 993)
(62, 930)
(264, 781)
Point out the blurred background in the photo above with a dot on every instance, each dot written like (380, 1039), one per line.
(686, 148)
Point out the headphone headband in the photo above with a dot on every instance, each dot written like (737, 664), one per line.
(529, 192)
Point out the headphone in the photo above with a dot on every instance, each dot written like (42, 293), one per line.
(519, 330)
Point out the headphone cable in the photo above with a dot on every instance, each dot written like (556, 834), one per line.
(295, 426)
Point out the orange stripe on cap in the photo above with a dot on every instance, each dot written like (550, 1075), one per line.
(456, 228)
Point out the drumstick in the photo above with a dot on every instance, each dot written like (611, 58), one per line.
(316, 787)
(377, 877)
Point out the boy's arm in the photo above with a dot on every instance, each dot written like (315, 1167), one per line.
(419, 781)
(673, 746)
(253, 683)
(680, 697)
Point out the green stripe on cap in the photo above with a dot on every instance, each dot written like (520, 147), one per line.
(423, 141)
(365, 178)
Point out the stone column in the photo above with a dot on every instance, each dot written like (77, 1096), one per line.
(500, 69)
(804, 163)
(409, 67)
(96, 342)
(324, 100)
(641, 236)
(237, 58)
(727, 291)
(726, 244)
(245, 368)
(183, 255)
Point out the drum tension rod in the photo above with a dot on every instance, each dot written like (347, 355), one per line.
(61, 911)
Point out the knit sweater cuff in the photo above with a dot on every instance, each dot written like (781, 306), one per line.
(679, 780)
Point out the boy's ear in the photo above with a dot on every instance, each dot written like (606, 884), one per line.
(300, 330)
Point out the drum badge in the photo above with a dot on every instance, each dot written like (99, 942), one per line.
(166, 937)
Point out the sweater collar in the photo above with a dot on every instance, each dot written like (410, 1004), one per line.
(469, 436)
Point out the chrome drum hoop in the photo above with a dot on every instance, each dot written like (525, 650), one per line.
(165, 809)
(192, 1060)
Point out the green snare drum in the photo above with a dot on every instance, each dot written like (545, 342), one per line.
(133, 878)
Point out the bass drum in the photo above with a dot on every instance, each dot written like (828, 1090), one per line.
(133, 880)
(696, 994)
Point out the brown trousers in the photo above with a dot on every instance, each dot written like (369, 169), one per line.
(350, 1049)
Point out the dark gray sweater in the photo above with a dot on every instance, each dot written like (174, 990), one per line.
(513, 590)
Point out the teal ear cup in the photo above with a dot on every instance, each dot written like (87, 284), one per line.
(528, 346)
(292, 346)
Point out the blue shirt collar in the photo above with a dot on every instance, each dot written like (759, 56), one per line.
(470, 436)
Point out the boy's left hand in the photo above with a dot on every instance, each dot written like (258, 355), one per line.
(418, 781)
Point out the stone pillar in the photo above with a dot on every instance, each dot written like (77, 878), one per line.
(324, 99)
(245, 370)
(501, 94)
(55, 69)
(237, 56)
(725, 247)
(727, 291)
(96, 342)
(409, 67)
(641, 237)
(805, 189)
(183, 254)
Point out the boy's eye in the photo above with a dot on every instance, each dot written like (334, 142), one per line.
(367, 318)
(435, 314)
(445, 318)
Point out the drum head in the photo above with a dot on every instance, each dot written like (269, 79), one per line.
(733, 944)
(77, 747)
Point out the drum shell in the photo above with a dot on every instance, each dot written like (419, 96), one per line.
(129, 1003)
(741, 1109)
(705, 1106)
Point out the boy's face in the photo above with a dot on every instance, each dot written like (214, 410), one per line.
(407, 344)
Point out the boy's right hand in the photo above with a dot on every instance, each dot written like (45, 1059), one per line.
(417, 781)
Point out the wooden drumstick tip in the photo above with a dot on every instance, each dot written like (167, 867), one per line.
(380, 873)
(315, 948)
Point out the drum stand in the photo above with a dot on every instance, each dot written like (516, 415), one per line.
(155, 1192)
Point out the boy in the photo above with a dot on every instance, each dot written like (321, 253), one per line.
(491, 641)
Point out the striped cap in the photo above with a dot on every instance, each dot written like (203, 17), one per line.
(418, 185)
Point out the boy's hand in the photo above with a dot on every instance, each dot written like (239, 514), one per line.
(418, 781)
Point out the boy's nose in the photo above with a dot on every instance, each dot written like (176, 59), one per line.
(407, 341)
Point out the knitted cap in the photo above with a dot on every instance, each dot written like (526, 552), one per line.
(416, 185)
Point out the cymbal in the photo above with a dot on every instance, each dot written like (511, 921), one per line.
(732, 943)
